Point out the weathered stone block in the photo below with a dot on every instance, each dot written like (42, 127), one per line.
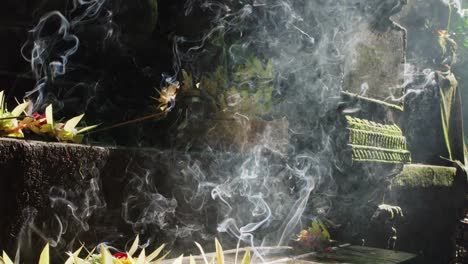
(424, 176)
(374, 63)
(431, 198)
(30, 169)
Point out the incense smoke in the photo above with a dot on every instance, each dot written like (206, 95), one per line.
(262, 195)
(53, 41)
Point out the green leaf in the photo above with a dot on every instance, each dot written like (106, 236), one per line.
(85, 129)
(246, 259)
(90, 253)
(106, 256)
(44, 258)
(325, 232)
(445, 122)
(179, 260)
(49, 112)
(134, 246)
(74, 259)
(192, 260)
(155, 253)
(161, 258)
(202, 252)
(443, 44)
(219, 252)
(6, 259)
(141, 257)
(20, 109)
(2, 102)
(72, 123)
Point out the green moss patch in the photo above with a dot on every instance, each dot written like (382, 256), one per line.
(424, 176)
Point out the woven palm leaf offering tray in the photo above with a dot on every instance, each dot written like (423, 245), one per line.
(374, 142)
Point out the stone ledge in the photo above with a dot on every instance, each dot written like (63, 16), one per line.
(28, 170)
(31, 172)
(424, 176)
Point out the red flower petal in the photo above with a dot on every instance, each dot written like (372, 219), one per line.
(121, 255)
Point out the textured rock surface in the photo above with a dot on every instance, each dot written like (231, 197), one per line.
(424, 176)
(29, 169)
(105, 193)
(431, 198)
(374, 63)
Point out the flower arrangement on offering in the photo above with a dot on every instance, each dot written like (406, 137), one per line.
(11, 124)
(316, 237)
(45, 125)
(16, 122)
(104, 256)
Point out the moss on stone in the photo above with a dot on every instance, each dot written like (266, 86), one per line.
(424, 176)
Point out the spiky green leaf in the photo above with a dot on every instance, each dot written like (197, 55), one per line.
(179, 260)
(49, 112)
(202, 252)
(85, 129)
(155, 253)
(74, 257)
(45, 258)
(5, 257)
(72, 123)
(20, 109)
(192, 260)
(161, 258)
(106, 256)
(219, 252)
(246, 259)
(2, 102)
(134, 246)
(141, 257)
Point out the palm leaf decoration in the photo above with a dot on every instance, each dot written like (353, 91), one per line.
(219, 252)
(44, 125)
(247, 259)
(9, 124)
(5, 259)
(106, 257)
(64, 132)
(45, 256)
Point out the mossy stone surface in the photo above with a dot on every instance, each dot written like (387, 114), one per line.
(424, 176)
